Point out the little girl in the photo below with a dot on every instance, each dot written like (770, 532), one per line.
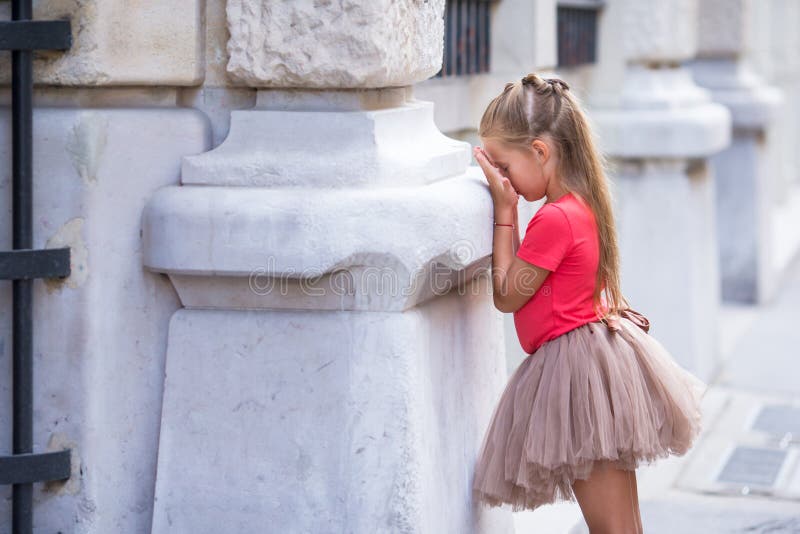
(597, 395)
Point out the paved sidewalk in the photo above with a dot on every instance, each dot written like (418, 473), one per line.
(743, 475)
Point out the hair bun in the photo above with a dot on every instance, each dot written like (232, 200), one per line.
(531, 79)
(558, 81)
(540, 83)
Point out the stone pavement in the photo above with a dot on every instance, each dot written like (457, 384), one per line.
(743, 475)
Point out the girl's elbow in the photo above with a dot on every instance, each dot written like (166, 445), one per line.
(500, 305)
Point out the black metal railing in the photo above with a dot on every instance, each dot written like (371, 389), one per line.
(466, 37)
(23, 264)
(576, 22)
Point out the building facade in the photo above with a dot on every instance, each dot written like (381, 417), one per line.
(278, 310)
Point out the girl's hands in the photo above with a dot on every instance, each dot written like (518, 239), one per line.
(504, 196)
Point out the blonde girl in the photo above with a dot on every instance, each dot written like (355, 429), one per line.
(597, 395)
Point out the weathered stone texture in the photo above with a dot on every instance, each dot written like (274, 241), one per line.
(119, 42)
(659, 30)
(327, 44)
(721, 29)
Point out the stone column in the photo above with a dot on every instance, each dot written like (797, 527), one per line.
(771, 44)
(744, 181)
(338, 356)
(659, 128)
(771, 52)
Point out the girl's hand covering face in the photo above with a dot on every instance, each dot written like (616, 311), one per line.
(503, 193)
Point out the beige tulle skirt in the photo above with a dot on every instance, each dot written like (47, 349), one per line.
(593, 393)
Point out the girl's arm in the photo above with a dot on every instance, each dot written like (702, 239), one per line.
(514, 280)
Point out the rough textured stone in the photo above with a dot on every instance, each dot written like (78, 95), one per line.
(327, 44)
(118, 42)
(721, 27)
(660, 31)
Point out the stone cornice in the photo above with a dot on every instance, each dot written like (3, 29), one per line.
(395, 246)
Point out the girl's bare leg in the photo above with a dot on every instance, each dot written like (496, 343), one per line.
(609, 500)
(632, 475)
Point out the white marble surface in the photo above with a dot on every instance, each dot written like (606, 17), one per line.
(325, 421)
(743, 171)
(668, 235)
(100, 334)
(283, 234)
(290, 148)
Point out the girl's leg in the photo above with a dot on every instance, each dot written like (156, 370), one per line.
(632, 475)
(608, 501)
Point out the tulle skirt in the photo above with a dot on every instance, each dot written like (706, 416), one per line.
(593, 393)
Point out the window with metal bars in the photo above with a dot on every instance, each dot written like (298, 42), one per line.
(576, 22)
(466, 38)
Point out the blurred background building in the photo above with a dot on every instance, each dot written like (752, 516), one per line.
(694, 103)
(277, 315)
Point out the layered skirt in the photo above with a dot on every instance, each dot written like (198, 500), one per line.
(602, 391)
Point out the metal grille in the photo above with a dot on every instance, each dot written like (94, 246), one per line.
(779, 420)
(753, 466)
(466, 38)
(577, 31)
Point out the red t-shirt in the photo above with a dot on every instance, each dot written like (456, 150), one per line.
(562, 238)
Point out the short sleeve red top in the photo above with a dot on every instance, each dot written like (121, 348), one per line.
(561, 237)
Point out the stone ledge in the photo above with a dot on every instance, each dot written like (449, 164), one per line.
(694, 131)
(281, 148)
(422, 240)
(752, 101)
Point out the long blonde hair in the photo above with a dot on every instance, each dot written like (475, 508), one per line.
(534, 106)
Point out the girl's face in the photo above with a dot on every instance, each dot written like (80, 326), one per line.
(531, 169)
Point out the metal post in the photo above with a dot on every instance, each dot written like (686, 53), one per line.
(23, 264)
(22, 123)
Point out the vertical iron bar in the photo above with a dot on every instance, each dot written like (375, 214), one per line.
(488, 38)
(451, 59)
(462, 39)
(479, 36)
(22, 374)
(470, 37)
